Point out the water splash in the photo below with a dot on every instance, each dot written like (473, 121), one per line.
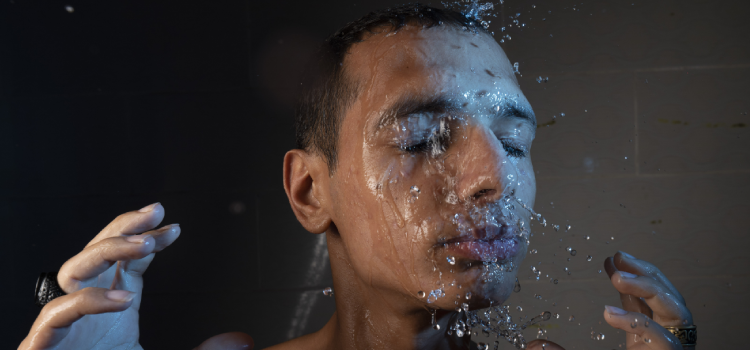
(474, 10)
(495, 320)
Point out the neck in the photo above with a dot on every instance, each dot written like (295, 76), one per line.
(371, 318)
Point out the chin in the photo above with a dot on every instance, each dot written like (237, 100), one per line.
(496, 291)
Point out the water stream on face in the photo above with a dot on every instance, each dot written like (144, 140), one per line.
(497, 321)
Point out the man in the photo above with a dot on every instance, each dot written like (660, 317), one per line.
(413, 158)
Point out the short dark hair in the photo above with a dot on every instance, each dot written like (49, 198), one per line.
(327, 91)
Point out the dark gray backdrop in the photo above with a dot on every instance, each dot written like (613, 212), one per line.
(123, 103)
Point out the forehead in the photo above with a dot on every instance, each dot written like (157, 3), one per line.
(426, 62)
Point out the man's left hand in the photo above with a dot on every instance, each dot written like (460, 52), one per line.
(650, 303)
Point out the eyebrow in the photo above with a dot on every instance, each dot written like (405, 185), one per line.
(414, 105)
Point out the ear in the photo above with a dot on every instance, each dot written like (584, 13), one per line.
(306, 183)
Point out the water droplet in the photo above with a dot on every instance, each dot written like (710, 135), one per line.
(415, 191)
(634, 323)
(646, 340)
(612, 238)
(569, 248)
(459, 333)
(517, 287)
(421, 294)
(556, 227)
(573, 252)
(69, 8)
(538, 296)
(555, 281)
(468, 295)
(567, 228)
(519, 308)
(571, 318)
(600, 336)
(587, 237)
(600, 271)
(515, 68)
(566, 268)
(539, 79)
(533, 251)
(482, 346)
(451, 260)
(589, 258)
(328, 291)
(646, 324)
(685, 322)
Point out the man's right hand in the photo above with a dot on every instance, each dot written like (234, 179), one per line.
(104, 284)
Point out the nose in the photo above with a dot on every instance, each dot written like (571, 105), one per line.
(484, 172)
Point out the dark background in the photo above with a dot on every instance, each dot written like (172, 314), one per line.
(123, 103)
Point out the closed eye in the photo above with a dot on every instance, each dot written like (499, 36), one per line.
(421, 147)
(434, 145)
(513, 150)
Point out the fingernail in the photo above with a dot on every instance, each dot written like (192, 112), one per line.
(170, 226)
(614, 310)
(627, 255)
(148, 208)
(627, 274)
(122, 296)
(137, 238)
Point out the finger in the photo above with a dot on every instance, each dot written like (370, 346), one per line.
(541, 344)
(641, 330)
(629, 302)
(96, 259)
(665, 306)
(132, 222)
(165, 236)
(54, 322)
(228, 341)
(626, 262)
(163, 239)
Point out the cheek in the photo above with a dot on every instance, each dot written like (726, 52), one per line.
(526, 182)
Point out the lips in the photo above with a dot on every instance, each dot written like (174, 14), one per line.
(485, 244)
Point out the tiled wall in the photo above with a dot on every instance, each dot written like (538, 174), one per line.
(121, 104)
(652, 156)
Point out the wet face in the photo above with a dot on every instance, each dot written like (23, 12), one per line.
(434, 168)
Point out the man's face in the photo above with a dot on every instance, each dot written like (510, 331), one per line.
(433, 168)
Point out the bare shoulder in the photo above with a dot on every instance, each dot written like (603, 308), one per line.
(310, 341)
(320, 340)
(227, 341)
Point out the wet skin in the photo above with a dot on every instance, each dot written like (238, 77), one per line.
(385, 244)
(439, 109)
